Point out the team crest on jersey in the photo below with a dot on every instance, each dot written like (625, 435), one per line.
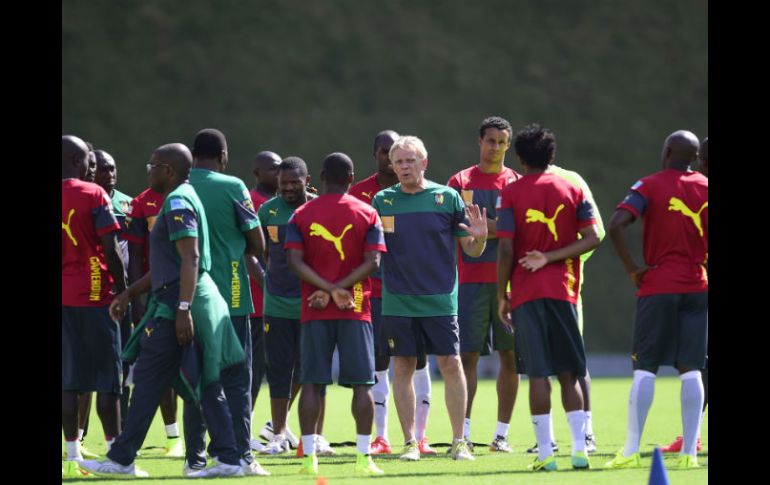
(439, 198)
(248, 204)
(636, 185)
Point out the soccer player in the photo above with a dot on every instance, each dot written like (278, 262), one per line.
(187, 322)
(585, 381)
(480, 326)
(265, 172)
(91, 267)
(282, 305)
(106, 178)
(422, 220)
(234, 232)
(91, 172)
(366, 190)
(671, 326)
(539, 219)
(334, 244)
(143, 212)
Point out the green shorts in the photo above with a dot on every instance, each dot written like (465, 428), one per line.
(480, 326)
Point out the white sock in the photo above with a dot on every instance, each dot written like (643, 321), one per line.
(589, 424)
(422, 390)
(109, 442)
(467, 428)
(577, 425)
(362, 443)
(550, 429)
(172, 430)
(639, 402)
(308, 443)
(692, 404)
(73, 450)
(502, 429)
(81, 432)
(540, 422)
(380, 392)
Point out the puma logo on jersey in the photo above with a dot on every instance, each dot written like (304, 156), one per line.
(154, 204)
(67, 229)
(677, 205)
(273, 212)
(148, 331)
(534, 215)
(317, 229)
(179, 218)
(367, 194)
(387, 201)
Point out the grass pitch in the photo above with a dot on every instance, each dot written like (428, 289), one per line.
(609, 403)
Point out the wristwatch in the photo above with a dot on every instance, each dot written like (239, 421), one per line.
(184, 306)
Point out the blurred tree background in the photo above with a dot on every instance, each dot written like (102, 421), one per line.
(612, 78)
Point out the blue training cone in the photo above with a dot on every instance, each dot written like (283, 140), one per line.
(658, 475)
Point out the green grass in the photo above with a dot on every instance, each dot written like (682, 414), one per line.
(609, 410)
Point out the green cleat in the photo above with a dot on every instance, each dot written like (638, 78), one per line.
(548, 465)
(620, 461)
(71, 469)
(174, 448)
(87, 454)
(580, 461)
(688, 461)
(411, 452)
(309, 465)
(365, 465)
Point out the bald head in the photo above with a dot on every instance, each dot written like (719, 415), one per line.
(680, 149)
(177, 155)
(74, 157)
(385, 137)
(266, 158)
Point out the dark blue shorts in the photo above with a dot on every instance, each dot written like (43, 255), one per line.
(548, 338)
(90, 350)
(354, 342)
(258, 363)
(671, 329)
(282, 344)
(413, 336)
(480, 327)
(381, 348)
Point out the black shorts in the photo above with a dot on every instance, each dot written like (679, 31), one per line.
(381, 348)
(354, 342)
(671, 329)
(413, 336)
(90, 350)
(548, 338)
(258, 363)
(480, 327)
(282, 352)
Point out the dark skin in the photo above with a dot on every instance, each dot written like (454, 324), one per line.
(266, 172)
(106, 173)
(75, 164)
(292, 187)
(680, 150)
(492, 148)
(539, 387)
(362, 405)
(170, 168)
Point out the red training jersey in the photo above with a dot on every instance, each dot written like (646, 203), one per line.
(674, 206)
(86, 215)
(256, 292)
(543, 212)
(140, 220)
(334, 231)
(365, 191)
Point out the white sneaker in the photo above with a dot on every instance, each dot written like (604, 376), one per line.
(256, 445)
(278, 445)
(218, 470)
(267, 433)
(188, 471)
(323, 448)
(109, 467)
(253, 469)
(293, 441)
